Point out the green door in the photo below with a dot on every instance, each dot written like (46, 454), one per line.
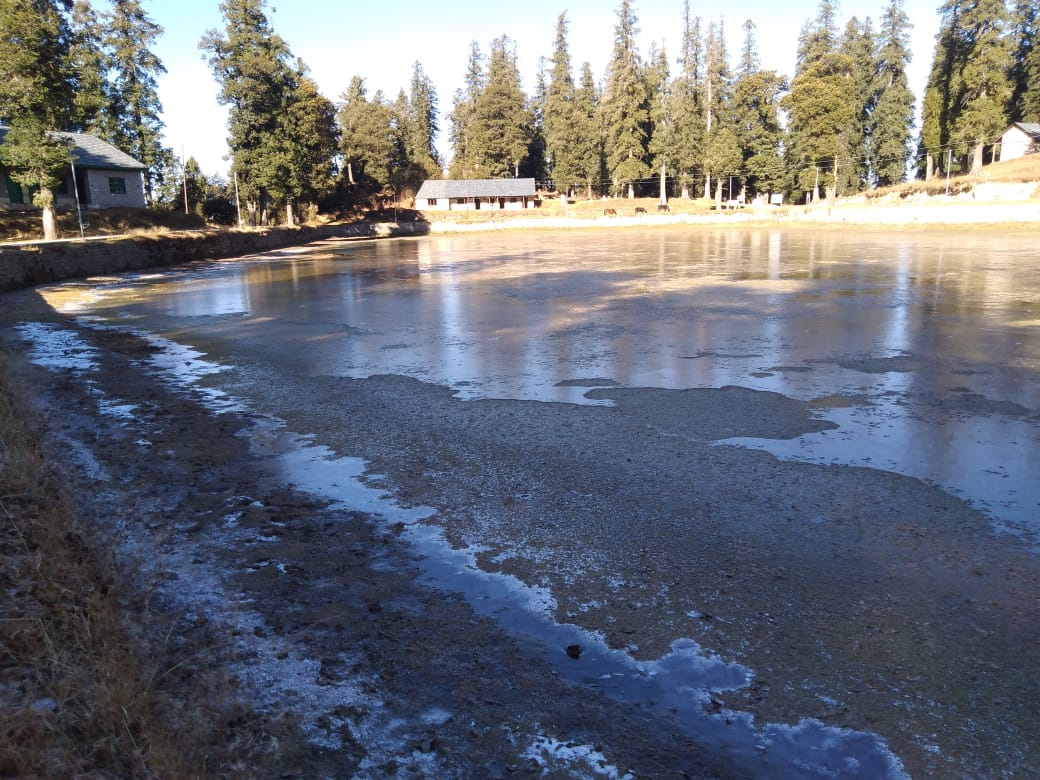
(14, 191)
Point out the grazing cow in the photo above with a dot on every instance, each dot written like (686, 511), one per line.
(640, 210)
(609, 212)
(663, 207)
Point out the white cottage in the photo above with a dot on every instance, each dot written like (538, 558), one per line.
(475, 194)
(104, 176)
(1020, 139)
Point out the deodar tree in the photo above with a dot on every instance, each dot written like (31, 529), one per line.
(821, 106)
(562, 116)
(966, 104)
(37, 88)
(625, 107)
(133, 109)
(893, 115)
(273, 106)
(756, 111)
(687, 107)
(502, 127)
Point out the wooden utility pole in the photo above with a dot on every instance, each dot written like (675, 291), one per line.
(184, 179)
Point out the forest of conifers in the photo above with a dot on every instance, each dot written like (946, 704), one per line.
(699, 119)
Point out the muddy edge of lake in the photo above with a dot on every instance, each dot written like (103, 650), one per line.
(861, 598)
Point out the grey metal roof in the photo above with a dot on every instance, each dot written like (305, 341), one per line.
(476, 188)
(91, 152)
(1031, 128)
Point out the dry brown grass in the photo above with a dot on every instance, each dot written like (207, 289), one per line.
(1025, 169)
(83, 691)
(24, 225)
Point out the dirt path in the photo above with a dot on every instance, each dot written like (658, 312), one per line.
(859, 599)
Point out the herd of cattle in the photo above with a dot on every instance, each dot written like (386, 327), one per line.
(661, 207)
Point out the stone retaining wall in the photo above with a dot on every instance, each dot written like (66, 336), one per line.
(25, 264)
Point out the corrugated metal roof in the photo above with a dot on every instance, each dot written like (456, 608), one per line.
(476, 188)
(1032, 128)
(91, 152)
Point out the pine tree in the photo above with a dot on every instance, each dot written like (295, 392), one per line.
(721, 149)
(1030, 98)
(502, 126)
(36, 96)
(368, 141)
(1025, 17)
(859, 45)
(421, 122)
(252, 65)
(91, 64)
(687, 107)
(625, 107)
(893, 114)
(966, 103)
(301, 167)
(938, 96)
(562, 115)
(463, 164)
(821, 106)
(133, 110)
(756, 111)
(662, 145)
(985, 87)
(589, 159)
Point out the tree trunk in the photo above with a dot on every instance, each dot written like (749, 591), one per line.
(289, 218)
(664, 195)
(50, 224)
(631, 192)
(976, 158)
(685, 192)
(707, 185)
(350, 173)
(929, 167)
(718, 195)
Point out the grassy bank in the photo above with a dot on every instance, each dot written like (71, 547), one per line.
(87, 684)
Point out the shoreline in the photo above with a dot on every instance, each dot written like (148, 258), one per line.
(29, 263)
(951, 213)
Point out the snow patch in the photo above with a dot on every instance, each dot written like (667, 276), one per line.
(552, 755)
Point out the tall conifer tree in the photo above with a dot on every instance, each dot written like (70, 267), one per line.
(821, 106)
(625, 107)
(37, 88)
(502, 125)
(687, 105)
(134, 112)
(589, 137)
(562, 117)
(756, 111)
(894, 108)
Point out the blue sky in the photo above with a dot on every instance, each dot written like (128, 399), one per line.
(380, 41)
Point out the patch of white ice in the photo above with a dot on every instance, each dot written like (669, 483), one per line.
(579, 760)
(55, 347)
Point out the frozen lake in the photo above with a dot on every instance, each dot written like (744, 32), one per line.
(721, 462)
(931, 340)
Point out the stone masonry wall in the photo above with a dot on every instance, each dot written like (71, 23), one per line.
(25, 264)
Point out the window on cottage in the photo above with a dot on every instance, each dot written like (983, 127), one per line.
(117, 185)
(431, 201)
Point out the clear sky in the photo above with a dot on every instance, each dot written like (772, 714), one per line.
(380, 41)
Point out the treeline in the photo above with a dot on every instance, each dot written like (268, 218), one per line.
(702, 123)
(843, 123)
